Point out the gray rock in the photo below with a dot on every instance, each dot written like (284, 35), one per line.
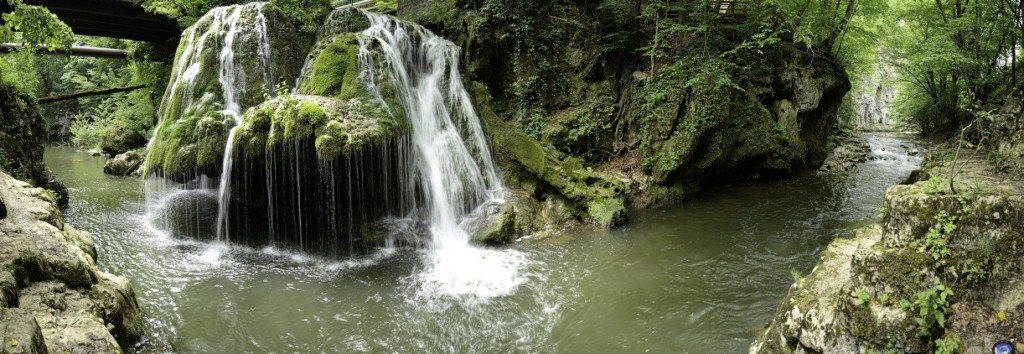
(48, 270)
(19, 332)
(849, 152)
(70, 320)
(124, 164)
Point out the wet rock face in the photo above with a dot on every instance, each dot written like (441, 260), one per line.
(53, 297)
(23, 135)
(123, 165)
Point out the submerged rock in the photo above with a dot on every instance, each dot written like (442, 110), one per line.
(124, 165)
(849, 152)
(51, 290)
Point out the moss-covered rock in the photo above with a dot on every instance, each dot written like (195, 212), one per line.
(192, 130)
(338, 126)
(707, 111)
(22, 142)
(189, 144)
(596, 197)
(335, 69)
(863, 298)
(120, 138)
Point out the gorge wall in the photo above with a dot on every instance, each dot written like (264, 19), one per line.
(23, 135)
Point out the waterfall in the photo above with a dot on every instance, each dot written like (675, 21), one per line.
(452, 163)
(221, 31)
(231, 85)
(432, 178)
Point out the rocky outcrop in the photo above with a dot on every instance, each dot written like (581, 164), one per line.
(125, 164)
(53, 297)
(849, 151)
(22, 140)
(1007, 135)
(941, 272)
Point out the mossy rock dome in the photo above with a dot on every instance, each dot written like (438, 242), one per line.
(264, 57)
(338, 126)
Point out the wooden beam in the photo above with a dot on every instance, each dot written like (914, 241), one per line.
(90, 93)
(78, 50)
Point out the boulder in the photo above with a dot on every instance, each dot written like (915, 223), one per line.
(124, 164)
(850, 151)
(120, 138)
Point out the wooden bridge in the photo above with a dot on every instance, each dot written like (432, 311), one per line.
(725, 10)
(124, 19)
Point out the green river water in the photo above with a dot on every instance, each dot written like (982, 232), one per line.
(702, 277)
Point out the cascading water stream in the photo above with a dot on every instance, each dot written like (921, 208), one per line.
(223, 32)
(439, 174)
(452, 161)
(231, 85)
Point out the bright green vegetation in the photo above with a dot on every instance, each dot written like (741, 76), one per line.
(190, 143)
(338, 126)
(335, 70)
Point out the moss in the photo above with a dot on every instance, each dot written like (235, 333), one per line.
(336, 126)
(335, 71)
(607, 211)
(331, 140)
(600, 195)
(121, 137)
(189, 144)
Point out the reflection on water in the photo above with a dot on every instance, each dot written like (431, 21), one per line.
(701, 277)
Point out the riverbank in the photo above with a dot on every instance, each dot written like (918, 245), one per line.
(941, 272)
(53, 296)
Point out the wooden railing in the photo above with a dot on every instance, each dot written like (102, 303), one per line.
(725, 10)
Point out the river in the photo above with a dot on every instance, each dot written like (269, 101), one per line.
(701, 277)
